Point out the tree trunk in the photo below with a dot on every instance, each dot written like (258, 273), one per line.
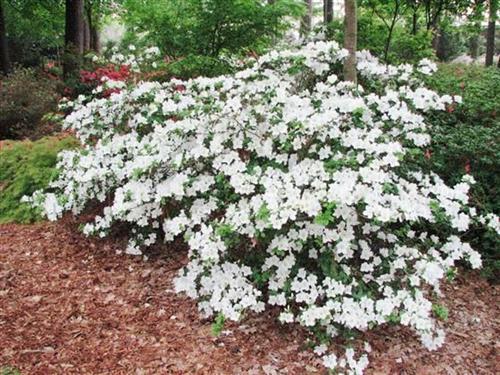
(474, 46)
(4, 46)
(391, 30)
(306, 22)
(350, 40)
(414, 27)
(86, 35)
(490, 33)
(93, 21)
(74, 35)
(95, 40)
(74, 25)
(327, 11)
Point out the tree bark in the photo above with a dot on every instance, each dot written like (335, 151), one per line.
(74, 36)
(306, 22)
(4, 45)
(490, 33)
(414, 27)
(92, 18)
(350, 40)
(74, 25)
(474, 46)
(95, 40)
(86, 35)
(327, 11)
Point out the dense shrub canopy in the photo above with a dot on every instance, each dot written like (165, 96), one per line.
(26, 96)
(291, 187)
(208, 27)
(465, 138)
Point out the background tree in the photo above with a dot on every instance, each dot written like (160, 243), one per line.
(306, 21)
(4, 47)
(350, 39)
(327, 11)
(490, 33)
(208, 28)
(389, 13)
(74, 35)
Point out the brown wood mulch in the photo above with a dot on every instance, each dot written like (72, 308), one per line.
(71, 305)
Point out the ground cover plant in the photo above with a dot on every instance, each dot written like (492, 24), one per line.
(26, 166)
(291, 187)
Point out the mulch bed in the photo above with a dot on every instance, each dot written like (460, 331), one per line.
(71, 305)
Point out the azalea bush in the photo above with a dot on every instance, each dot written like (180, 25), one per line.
(291, 187)
(104, 74)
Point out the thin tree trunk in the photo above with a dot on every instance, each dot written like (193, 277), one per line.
(95, 40)
(306, 22)
(86, 35)
(93, 21)
(490, 33)
(327, 11)
(391, 30)
(414, 27)
(4, 45)
(350, 40)
(474, 46)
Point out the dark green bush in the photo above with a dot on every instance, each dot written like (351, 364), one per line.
(467, 138)
(372, 36)
(195, 65)
(25, 167)
(210, 27)
(25, 97)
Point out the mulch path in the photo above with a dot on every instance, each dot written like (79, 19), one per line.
(71, 305)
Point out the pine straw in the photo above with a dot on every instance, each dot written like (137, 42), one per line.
(72, 305)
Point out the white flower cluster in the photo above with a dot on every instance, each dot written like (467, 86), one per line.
(138, 59)
(291, 187)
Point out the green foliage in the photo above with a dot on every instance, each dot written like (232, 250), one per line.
(35, 29)
(373, 33)
(452, 41)
(410, 48)
(197, 65)
(9, 371)
(25, 97)
(218, 324)
(440, 311)
(209, 28)
(24, 168)
(468, 138)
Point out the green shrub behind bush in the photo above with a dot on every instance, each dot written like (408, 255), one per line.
(468, 139)
(24, 168)
(197, 65)
(372, 34)
(25, 97)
